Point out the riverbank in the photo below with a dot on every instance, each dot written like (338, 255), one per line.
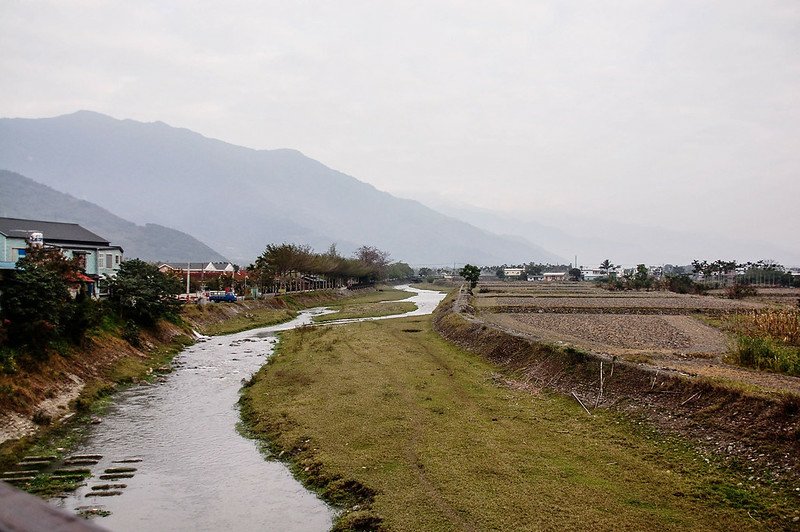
(38, 398)
(406, 431)
(755, 430)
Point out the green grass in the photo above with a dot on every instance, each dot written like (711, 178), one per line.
(766, 353)
(368, 310)
(370, 304)
(388, 416)
(371, 296)
(263, 317)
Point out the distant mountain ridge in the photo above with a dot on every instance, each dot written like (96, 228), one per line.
(21, 197)
(238, 199)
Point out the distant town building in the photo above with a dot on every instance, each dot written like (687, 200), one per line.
(514, 272)
(555, 276)
(590, 274)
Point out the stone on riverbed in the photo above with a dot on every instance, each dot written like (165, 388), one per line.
(118, 476)
(107, 487)
(120, 470)
(38, 458)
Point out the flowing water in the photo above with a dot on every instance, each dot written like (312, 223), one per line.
(192, 470)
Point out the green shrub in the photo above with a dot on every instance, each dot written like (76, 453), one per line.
(740, 291)
(680, 284)
(8, 362)
(131, 333)
(143, 294)
(764, 353)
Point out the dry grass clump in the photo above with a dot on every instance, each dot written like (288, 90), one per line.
(782, 325)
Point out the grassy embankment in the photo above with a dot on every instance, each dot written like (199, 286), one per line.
(382, 302)
(409, 432)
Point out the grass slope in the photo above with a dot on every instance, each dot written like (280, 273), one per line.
(368, 310)
(411, 433)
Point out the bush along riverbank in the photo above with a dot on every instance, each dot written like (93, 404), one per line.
(403, 430)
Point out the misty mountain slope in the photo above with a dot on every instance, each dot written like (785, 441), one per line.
(237, 199)
(593, 239)
(21, 197)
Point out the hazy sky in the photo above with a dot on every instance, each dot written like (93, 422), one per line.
(683, 112)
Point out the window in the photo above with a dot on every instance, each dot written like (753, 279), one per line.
(116, 259)
(109, 261)
(20, 252)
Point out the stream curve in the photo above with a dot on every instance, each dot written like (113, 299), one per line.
(192, 470)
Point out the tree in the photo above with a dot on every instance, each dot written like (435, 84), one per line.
(142, 294)
(534, 269)
(36, 302)
(471, 274)
(399, 270)
(606, 266)
(641, 279)
(575, 274)
(376, 261)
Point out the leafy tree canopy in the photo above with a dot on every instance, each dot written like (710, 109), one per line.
(143, 294)
(471, 274)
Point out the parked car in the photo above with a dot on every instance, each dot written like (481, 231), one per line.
(229, 297)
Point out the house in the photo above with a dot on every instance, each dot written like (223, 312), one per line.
(197, 267)
(590, 274)
(514, 272)
(201, 273)
(96, 254)
(555, 276)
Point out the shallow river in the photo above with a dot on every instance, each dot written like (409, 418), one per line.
(193, 470)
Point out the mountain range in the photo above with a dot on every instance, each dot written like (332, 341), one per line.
(21, 197)
(237, 199)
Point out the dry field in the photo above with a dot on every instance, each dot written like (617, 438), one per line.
(662, 329)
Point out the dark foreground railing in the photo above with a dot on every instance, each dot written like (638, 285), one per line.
(22, 512)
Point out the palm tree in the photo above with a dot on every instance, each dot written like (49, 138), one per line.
(606, 266)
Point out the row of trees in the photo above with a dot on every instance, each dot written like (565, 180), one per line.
(762, 272)
(282, 266)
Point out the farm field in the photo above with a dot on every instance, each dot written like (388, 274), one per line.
(663, 329)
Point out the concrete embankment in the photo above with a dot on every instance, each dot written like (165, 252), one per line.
(761, 432)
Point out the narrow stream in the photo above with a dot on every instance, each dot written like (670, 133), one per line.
(192, 469)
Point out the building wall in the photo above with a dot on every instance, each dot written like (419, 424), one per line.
(97, 262)
(11, 247)
(108, 262)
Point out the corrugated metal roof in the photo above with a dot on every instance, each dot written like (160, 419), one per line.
(52, 231)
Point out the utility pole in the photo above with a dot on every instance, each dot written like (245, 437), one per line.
(188, 269)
